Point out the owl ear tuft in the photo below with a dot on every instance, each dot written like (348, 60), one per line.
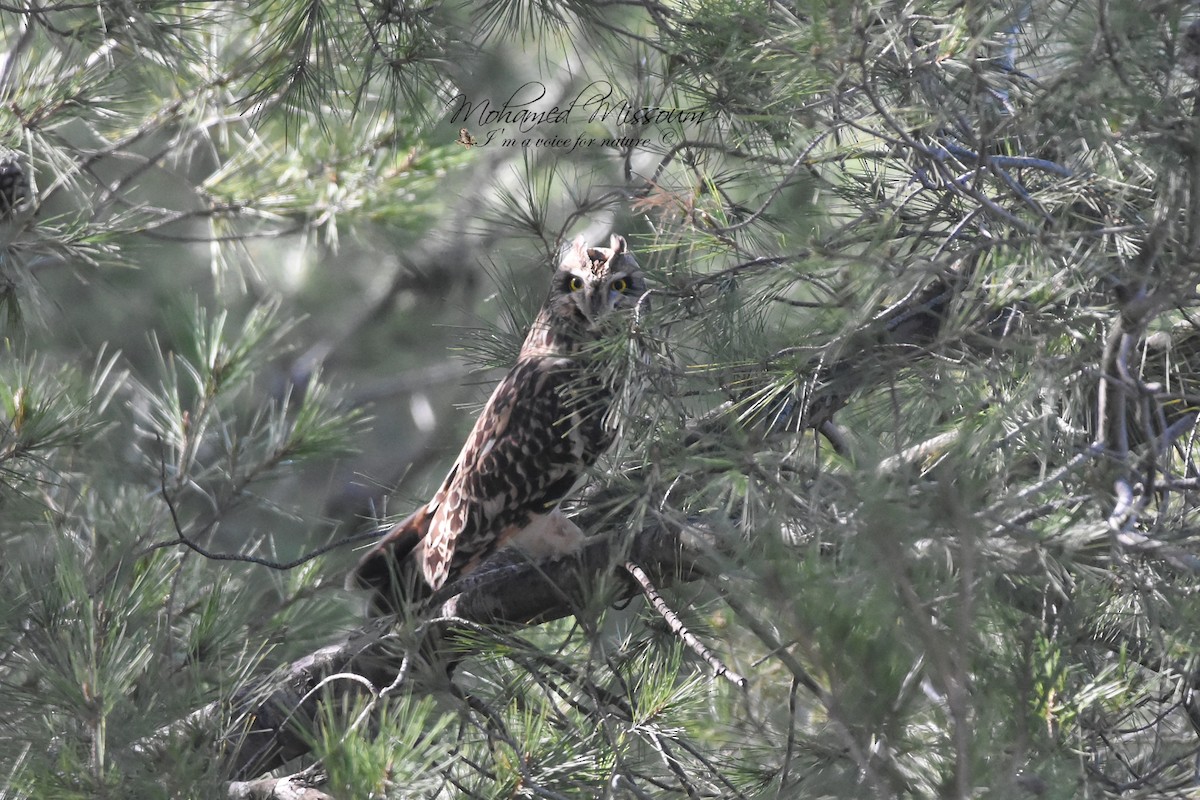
(582, 254)
(579, 250)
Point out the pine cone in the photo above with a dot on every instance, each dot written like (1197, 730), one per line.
(14, 182)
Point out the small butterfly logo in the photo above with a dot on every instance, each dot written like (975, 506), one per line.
(465, 138)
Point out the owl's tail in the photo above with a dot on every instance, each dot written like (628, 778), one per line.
(390, 571)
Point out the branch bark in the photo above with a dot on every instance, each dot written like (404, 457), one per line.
(268, 723)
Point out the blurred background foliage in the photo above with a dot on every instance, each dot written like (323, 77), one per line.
(922, 327)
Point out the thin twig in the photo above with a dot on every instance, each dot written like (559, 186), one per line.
(678, 628)
(282, 566)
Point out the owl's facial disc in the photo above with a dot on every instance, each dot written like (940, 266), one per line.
(596, 299)
(593, 282)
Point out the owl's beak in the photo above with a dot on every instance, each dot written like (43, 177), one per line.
(589, 308)
(596, 303)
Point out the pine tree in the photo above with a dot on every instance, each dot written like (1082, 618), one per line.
(914, 453)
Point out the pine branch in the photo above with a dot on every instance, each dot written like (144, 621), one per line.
(289, 788)
(678, 628)
(270, 720)
(268, 723)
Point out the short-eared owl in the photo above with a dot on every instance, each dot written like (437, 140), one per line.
(545, 424)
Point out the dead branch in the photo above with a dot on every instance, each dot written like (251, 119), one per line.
(678, 628)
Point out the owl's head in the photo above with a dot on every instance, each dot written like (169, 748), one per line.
(593, 282)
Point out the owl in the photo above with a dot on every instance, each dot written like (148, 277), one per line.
(545, 424)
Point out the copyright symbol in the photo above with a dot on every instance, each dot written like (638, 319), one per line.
(670, 137)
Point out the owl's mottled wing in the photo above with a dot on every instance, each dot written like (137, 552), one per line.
(541, 429)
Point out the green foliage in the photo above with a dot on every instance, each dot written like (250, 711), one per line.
(114, 631)
(45, 411)
(357, 756)
(917, 369)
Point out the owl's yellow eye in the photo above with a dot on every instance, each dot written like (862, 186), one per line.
(575, 284)
(620, 285)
